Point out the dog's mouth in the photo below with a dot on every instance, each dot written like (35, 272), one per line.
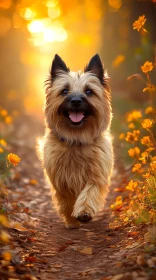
(76, 110)
(76, 117)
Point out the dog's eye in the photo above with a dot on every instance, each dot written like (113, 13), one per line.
(64, 91)
(89, 91)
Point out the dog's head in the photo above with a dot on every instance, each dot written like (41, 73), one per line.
(77, 104)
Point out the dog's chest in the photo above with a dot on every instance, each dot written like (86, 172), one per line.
(72, 167)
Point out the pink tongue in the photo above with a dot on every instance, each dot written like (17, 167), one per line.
(76, 117)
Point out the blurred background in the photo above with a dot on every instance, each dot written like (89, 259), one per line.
(32, 31)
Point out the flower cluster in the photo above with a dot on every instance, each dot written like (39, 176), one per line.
(139, 141)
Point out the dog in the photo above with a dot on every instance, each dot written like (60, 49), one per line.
(77, 146)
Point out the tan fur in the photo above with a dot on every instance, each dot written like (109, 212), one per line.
(79, 168)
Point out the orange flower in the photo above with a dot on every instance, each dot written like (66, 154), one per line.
(1, 150)
(3, 112)
(122, 136)
(8, 120)
(136, 167)
(13, 159)
(149, 110)
(131, 125)
(132, 136)
(131, 185)
(134, 115)
(147, 67)
(146, 140)
(118, 60)
(146, 175)
(3, 143)
(143, 157)
(138, 24)
(134, 152)
(153, 165)
(147, 123)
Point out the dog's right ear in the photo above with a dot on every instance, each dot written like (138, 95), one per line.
(58, 65)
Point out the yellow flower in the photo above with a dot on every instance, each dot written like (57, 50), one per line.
(8, 120)
(136, 167)
(147, 67)
(153, 165)
(131, 185)
(132, 136)
(14, 159)
(146, 140)
(3, 113)
(134, 152)
(149, 110)
(122, 136)
(3, 143)
(131, 125)
(138, 24)
(1, 150)
(134, 115)
(147, 123)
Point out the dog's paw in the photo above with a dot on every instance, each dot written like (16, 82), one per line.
(75, 225)
(84, 217)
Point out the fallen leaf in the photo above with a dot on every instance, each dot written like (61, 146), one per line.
(133, 233)
(151, 263)
(62, 248)
(85, 250)
(135, 244)
(30, 258)
(89, 234)
(17, 226)
(118, 277)
(141, 260)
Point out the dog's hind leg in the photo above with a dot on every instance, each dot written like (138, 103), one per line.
(89, 202)
(64, 205)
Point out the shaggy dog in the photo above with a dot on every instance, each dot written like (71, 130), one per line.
(77, 148)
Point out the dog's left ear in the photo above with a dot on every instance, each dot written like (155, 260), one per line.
(95, 66)
(58, 65)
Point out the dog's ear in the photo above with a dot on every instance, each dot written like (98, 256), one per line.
(95, 66)
(58, 65)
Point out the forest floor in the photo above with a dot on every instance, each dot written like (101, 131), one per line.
(41, 246)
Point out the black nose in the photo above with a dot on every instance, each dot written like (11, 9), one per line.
(76, 101)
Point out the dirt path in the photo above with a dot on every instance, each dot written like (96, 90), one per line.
(50, 251)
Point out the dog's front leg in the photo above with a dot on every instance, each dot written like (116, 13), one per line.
(64, 204)
(89, 202)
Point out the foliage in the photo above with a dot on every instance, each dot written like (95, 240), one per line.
(6, 160)
(139, 141)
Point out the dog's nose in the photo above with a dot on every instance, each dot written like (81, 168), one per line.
(76, 101)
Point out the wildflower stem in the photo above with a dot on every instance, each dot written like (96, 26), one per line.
(150, 85)
(152, 136)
